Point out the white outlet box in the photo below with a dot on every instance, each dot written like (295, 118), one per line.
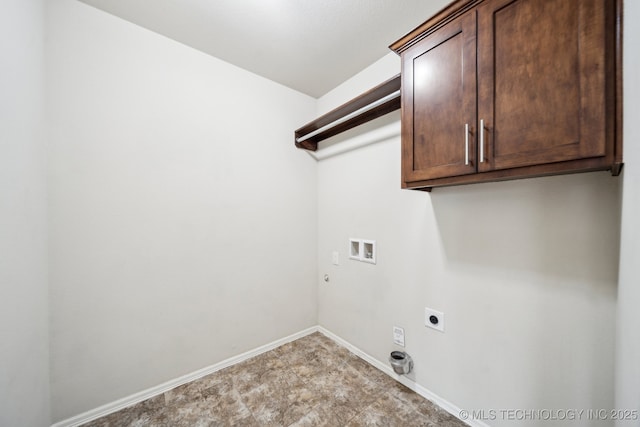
(368, 252)
(355, 249)
(362, 250)
(335, 258)
(398, 336)
(434, 319)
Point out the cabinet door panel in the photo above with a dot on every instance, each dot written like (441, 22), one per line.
(541, 81)
(439, 72)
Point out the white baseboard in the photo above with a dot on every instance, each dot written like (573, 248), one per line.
(125, 402)
(384, 367)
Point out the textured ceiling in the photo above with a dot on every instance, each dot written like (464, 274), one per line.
(309, 45)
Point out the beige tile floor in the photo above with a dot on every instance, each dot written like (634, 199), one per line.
(308, 382)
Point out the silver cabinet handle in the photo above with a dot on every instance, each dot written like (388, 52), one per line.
(466, 144)
(481, 141)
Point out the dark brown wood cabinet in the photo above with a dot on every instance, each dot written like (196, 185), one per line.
(439, 109)
(505, 89)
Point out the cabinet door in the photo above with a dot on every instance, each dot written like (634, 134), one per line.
(541, 73)
(439, 103)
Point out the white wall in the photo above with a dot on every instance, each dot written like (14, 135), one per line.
(628, 338)
(24, 358)
(525, 272)
(182, 218)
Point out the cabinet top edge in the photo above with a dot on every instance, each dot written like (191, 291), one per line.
(445, 15)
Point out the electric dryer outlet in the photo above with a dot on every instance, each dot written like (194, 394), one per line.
(434, 319)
